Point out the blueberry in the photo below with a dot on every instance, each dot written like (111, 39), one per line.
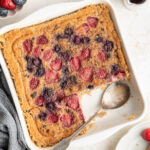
(3, 12)
(76, 40)
(98, 38)
(19, 2)
(107, 46)
(29, 64)
(65, 55)
(64, 82)
(65, 70)
(68, 32)
(51, 106)
(115, 69)
(85, 40)
(46, 93)
(37, 62)
(57, 48)
(59, 36)
(42, 116)
(40, 71)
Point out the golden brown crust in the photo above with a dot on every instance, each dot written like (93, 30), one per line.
(11, 46)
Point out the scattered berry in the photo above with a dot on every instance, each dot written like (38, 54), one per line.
(39, 101)
(118, 76)
(42, 39)
(29, 64)
(76, 40)
(52, 118)
(67, 120)
(3, 12)
(56, 64)
(101, 73)
(27, 46)
(37, 52)
(19, 2)
(57, 48)
(73, 102)
(47, 55)
(73, 80)
(115, 69)
(81, 116)
(75, 63)
(51, 76)
(42, 116)
(8, 4)
(92, 21)
(85, 53)
(102, 56)
(85, 40)
(65, 70)
(37, 62)
(98, 38)
(64, 82)
(107, 46)
(82, 29)
(46, 93)
(65, 55)
(50, 106)
(40, 71)
(33, 83)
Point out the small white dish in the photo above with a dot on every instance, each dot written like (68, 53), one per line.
(133, 139)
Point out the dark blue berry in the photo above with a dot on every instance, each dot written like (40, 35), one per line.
(42, 116)
(3, 12)
(115, 69)
(19, 2)
(51, 106)
(57, 48)
(29, 64)
(107, 46)
(65, 70)
(59, 36)
(37, 62)
(46, 93)
(98, 38)
(76, 40)
(85, 40)
(40, 71)
(65, 55)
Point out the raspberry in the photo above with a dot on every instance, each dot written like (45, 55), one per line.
(39, 101)
(67, 120)
(92, 21)
(73, 102)
(75, 63)
(85, 53)
(101, 73)
(37, 52)
(42, 39)
(102, 56)
(33, 83)
(56, 64)
(47, 55)
(8, 4)
(27, 46)
(52, 118)
(83, 29)
(76, 40)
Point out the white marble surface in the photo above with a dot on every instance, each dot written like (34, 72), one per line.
(135, 28)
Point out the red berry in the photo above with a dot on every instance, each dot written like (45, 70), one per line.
(84, 28)
(73, 102)
(52, 118)
(47, 55)
(102, 56)
(8, 4)
(75, 63)
(93, 21)
(118, 76)
(101, 73)
(81, 116)
(85, 53)
(56, 64)
(33, 83)
(51, 76)
(42, 39)
(37, 52)
(86, 74)
(146, 134)
(39, 101)
(27, 46)
(67, 120)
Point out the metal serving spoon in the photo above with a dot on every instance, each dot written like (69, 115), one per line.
(114, 96)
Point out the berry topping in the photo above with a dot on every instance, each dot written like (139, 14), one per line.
(40, 71)
(29, 64)
(146, 134)
(51, 76)
(42, 116)
(33, 83)
(52, 118)
(47, 55)
(56, 64)
(37, 52)
(98, 38)
(65, 55)
(102, 56)
(73, 80)
(3, 12)
(68, 32)
(73, 102)
(19, 2)
(119, 75)
(37, 62)
(27, 46)
(57, 48)
(115, 69)
(82, 29)
(75, 63)
(39, 101)
(8, 4)
(64, 82)
(46, 93)
(42, 39)
(65, 70)
(67, 120)
(101, 73)
(86, 74)
(59, 36)
(92, 21)
(81, 116)
(76, 40)
(85, 40)
(107, 46)
(50, 106)
(85, 53)
(60, 95)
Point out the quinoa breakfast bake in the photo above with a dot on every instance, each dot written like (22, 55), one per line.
(52, 62)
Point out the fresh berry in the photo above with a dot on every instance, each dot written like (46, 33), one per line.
(39, 101)
(118, 76)
(19, 2)
(46, 93)
(86, 74)
(107, 46)
(50, 106)
(98, 38)
(37, 52)
(29, 64)
(65, 55)
(59, 36)
(68, 32)
(92, 21)
(75, 63)
(85, 53)
(85, 40)
(57, 48)
(47, 55)
(102, 56)
(76, 40)
(64, 82)
(60, 95)
(42, 116)
(56, 64)
(82, 29)
(27, 46)
(146, 134)
(81, 116)
(115, 69)
(8, 4)
(3, 12)
(51, 76)
(73, 102)
(67, 120)
(37, 62)
(42, 39)
(52, 118)
(101, 73)
(33, 83)
(40, 71)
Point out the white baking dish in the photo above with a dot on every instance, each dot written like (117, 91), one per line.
(115, 119)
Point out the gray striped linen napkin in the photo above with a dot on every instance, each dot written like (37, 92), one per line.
(11, 136)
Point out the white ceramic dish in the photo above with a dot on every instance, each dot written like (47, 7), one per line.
(133, 140)
(115, 119)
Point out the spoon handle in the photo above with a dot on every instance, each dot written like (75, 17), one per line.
(65, 142)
